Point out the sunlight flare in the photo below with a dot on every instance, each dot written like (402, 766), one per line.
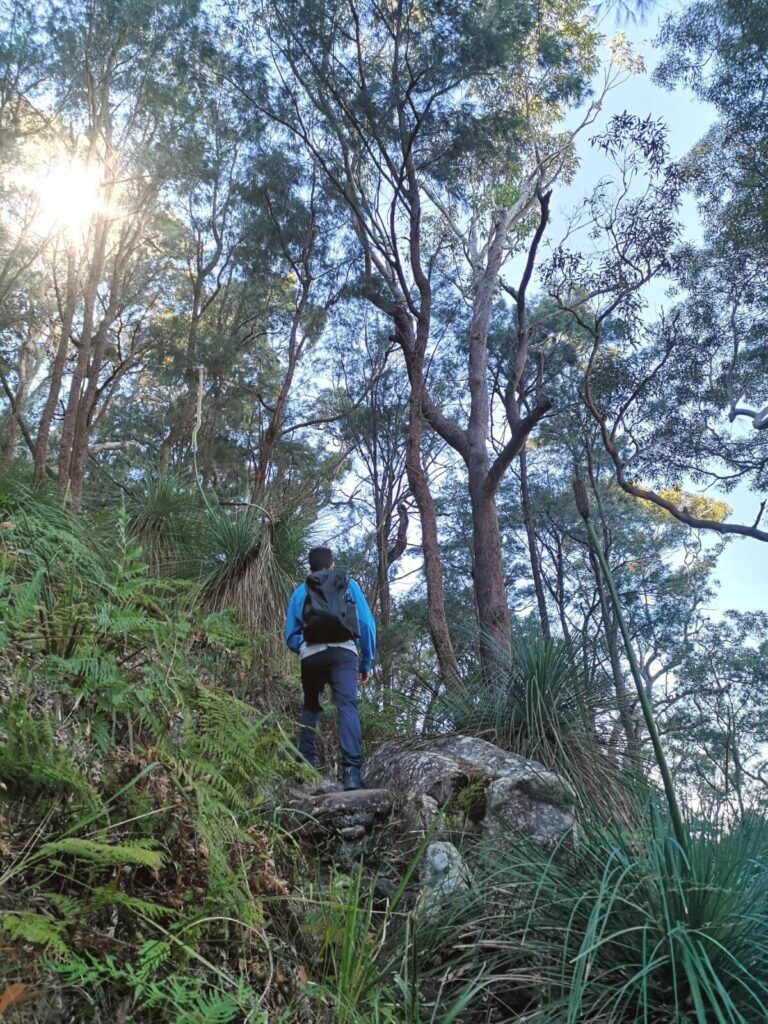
(69, 194)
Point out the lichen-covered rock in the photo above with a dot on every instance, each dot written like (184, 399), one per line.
(499, 793)
(515, 802)
(327, 809)
(443, 872)
(408, 772)
(480, 754)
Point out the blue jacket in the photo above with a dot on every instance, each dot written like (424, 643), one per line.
(367, 641)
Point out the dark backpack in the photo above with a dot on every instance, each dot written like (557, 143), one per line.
(329, 615)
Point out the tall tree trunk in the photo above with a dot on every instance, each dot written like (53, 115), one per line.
(83, 418)
(13, 422)
(430, 545)
(413, 345)
(533, 551)
(69, 424)
(490, 589)
(67, 317)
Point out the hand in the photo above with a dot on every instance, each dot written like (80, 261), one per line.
(362, 679)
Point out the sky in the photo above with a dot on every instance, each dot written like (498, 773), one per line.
(743, 567)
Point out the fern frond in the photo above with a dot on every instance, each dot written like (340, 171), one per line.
(110, 896)
(104, 854)
(39, 929)
(33, 763)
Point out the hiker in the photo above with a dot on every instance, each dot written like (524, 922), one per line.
(327, 619)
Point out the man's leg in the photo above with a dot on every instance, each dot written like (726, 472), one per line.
(313, 679)
(344, 673)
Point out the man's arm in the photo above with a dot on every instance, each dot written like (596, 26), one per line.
(293, 628)
(367, 628)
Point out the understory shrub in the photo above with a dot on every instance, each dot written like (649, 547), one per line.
(135, 850)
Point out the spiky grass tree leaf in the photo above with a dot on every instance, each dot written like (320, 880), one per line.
(166, 518)
(241, 570)
(542, 705)
(623, 928)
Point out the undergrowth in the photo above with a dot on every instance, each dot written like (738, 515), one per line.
(143, 880)
(135, 851)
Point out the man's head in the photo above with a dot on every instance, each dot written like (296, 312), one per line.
(319, 559)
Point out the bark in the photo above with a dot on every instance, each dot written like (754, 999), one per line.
(67, 316)
(183, 416)
(274, 427)
(86, 406)
(418, 484)
(533, 550)
(489, 585)
(15, 422)
(69, 424)
(430, 545)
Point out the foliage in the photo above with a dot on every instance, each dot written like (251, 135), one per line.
(166, 519)
(175, 998)
(624, 927)
(135, 780)
(544, 706)
(242, 566)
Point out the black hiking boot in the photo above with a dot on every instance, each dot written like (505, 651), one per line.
(352, 778)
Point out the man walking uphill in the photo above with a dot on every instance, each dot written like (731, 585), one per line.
(327, 620)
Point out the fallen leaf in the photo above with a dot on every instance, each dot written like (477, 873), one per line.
(10, 996)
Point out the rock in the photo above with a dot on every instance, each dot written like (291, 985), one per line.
(328, 810)
(512, 804)
(351, 833)
(505, 793)
(409, 772)
(384, 889)
(443, 872)
(478, 753)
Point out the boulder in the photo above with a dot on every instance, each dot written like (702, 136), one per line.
(503, 794)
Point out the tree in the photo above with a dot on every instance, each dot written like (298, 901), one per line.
(112, 72)
(697, 375)
(434, 129)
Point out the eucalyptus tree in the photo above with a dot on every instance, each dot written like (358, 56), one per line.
(692, 407)
(434, 125)
(25, 300)
(713, 713)
(719, 50)
(373, 424)
(111, 93)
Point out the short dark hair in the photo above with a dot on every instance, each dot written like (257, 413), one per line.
(319, 559)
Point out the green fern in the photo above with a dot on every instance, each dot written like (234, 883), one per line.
(174, 998)
(39, 929)
(124, 655)
(104, 854)
(110, 896)
(20, 603)
(32, 761)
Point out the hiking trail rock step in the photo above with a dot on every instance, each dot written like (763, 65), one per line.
(495, 792)
(442, 873)
(326, 809)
